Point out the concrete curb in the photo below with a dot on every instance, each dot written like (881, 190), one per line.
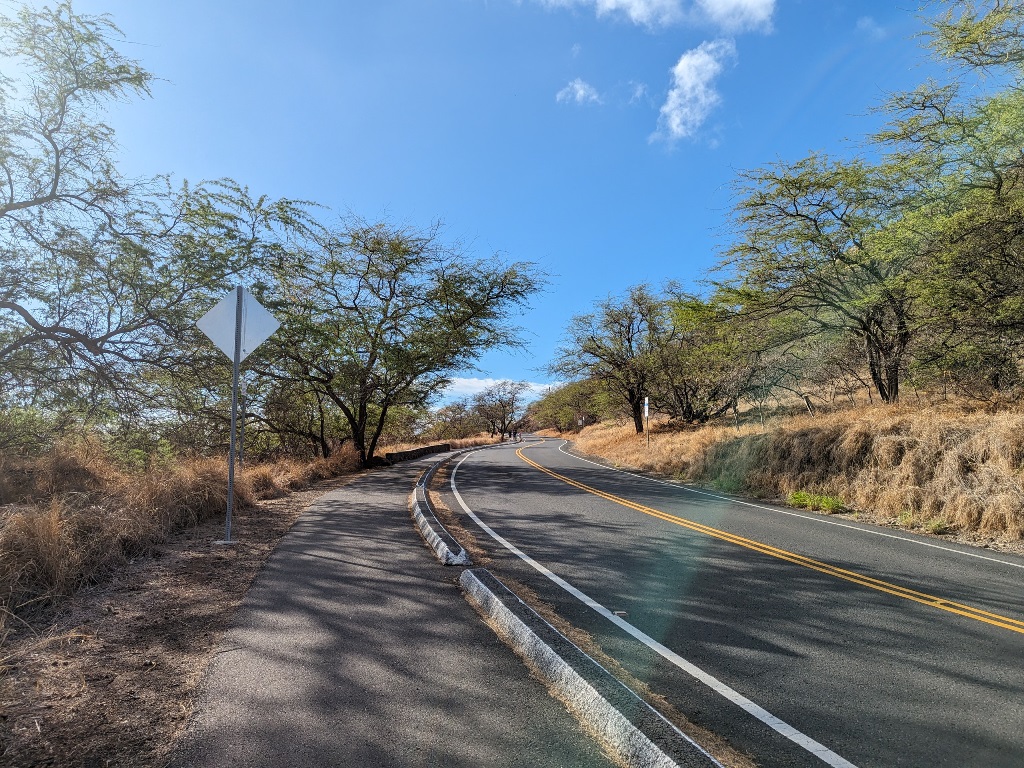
(633, 731)
(438, 539)
(433, 532)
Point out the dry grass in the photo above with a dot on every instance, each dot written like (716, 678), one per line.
(73, 516)
(940, 469)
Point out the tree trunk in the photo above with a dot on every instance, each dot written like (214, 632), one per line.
(885, 359)
(638, 415)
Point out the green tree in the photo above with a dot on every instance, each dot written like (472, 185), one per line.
(704, 358)
(377, 317)
(502, 406)
(567, 407)
(821, 239)
(455, 421)
(62, 203)
(962, 144)
(615, 345)
(979, 35)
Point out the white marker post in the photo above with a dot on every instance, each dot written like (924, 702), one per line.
(237, 325)
(647, 420)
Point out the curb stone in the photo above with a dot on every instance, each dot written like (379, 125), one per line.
(636, 733)
(433, 532)
(625, 724)
(442, 542)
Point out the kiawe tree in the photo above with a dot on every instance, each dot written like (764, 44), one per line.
(101, 278)
(62, 200)
(822, 239)
(502, 406)
(705, 358)
(963, 146)
(615, 345)
(378, 316)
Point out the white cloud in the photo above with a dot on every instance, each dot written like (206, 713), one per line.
(580, 92)
(738, 15)
(639, 92)
(868, 26)
(467, 387)
(730, 15)
(648, 13)
(692, 96)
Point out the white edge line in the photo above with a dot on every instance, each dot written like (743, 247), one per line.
(809, 518)
(806, 742)
(623, 736)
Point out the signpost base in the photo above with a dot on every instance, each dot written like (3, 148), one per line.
(226, 543)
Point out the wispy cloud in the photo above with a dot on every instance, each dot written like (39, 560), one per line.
(730, 15)
(868, 26)
(578, 92)
(638, 93)
(692, 95)
(469, 386)
(648, 13)
(738, 15)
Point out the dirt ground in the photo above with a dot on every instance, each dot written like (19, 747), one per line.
(107, 678)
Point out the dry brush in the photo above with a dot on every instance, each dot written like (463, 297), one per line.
(938, 468)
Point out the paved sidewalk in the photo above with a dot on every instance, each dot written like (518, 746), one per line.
(355, 648)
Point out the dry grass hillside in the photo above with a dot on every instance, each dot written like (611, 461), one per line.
(940, 469)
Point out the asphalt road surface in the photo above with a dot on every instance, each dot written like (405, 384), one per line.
(816, 641)
(354, 647)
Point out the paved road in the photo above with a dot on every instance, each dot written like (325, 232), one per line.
(887, 650)
(355, 648)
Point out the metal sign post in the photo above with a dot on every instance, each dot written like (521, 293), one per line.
(241, 419)
(237, 325)
(236, 364)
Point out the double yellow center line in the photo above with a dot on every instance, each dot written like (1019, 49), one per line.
(960, 609)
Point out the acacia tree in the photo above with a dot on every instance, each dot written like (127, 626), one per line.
(615, 345)
(61, 198)
(704, 354)
(821, 239)
(963, 147)
(455, 421)
(980, 35)
(378, 316)
(501, 406)
(567, 407)
(101, 279)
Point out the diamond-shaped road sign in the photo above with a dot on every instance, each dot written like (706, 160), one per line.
(219, 324)
(237, 322)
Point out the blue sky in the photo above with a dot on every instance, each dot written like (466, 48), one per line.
(597, 138)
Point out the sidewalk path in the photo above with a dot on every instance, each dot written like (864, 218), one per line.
(355, 648)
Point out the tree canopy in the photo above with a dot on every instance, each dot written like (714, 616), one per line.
(102, 279)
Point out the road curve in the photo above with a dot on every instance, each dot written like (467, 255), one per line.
(880, 648)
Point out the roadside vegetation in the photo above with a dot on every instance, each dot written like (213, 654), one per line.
(115, 408)
(76, 515)
(102, 279)
(939, 469)
(877, 291)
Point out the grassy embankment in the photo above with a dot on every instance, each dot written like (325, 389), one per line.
(940, 469)
(74, 516)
